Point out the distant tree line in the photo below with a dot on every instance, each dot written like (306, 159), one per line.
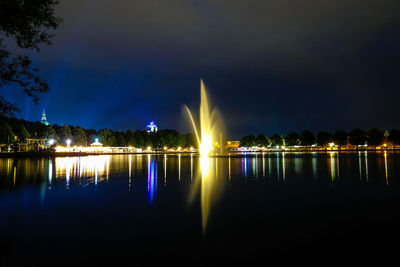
(12, 128)
(374, 137)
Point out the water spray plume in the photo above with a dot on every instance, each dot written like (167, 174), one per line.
(205, 138)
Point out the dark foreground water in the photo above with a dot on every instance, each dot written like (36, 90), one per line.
(267, 209)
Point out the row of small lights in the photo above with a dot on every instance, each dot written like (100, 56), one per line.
(68, 141)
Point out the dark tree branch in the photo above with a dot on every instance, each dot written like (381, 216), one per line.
(30, 23)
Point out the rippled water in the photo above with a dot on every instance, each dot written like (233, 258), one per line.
(272, 208)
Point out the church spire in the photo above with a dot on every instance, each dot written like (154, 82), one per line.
(43, 119)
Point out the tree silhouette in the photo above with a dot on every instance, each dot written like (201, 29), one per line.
(248, 141)
(357, 137)
(307, 138)
(340, 138)
(375, 137)
(292, 139)
(277, 139)
(262, 140)
(323, 138)
(394, 137)
(30, 24)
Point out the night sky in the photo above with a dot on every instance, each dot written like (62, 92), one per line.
(269, 66)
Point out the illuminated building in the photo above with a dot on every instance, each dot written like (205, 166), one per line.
(152, 127)
(96, 143)
(232, 144)
(44, 119)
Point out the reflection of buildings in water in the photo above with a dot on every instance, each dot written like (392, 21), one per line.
(359, 165)
(229, 168)
(179, 167)
(165, 169)
(278, 163)
(386, 168)
(366, 164)
(151, 178)
(297, 165)
(269, 166)
(139, 163)
(314, 164)
(333, 165)
(15, 175)
(244, 165)
(255, 166)
(50, 172)
(130, 173)
(96, 167)
(283, 166)
(338, 164)
(263, 165)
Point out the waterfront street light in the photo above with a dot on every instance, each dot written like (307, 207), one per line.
(68, 142)
(51, 142)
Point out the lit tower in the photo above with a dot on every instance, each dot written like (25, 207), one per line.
(43, 119)
(152, 127)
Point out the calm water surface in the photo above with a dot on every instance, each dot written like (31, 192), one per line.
(262, 209)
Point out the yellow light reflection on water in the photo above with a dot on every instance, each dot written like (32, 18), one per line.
(96, 167)
(386, 168)
(332, 166)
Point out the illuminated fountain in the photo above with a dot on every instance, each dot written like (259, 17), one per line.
(210, 129)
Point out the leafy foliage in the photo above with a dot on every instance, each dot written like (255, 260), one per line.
(357, 137)
(307, 138)
(292, 139)
(30, 23)
(277, 140)
(323, 138)
(340, 138)
(375, 137)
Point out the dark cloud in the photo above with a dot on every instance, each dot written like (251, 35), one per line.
(269, 65)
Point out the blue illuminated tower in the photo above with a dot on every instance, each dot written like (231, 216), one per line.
(43, 119)
(152, 127)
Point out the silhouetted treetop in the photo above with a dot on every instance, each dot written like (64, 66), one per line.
(29, 23)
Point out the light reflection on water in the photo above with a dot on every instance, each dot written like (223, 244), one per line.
(206, 185)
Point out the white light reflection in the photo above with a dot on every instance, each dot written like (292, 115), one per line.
(130, 173)
(366, 164)
(179, 167)
(89, 166)
(283, 166)
(359, 164)
(50, 172)
(165, 169)
(263, 164)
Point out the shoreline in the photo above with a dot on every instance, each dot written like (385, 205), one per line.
(34, 154)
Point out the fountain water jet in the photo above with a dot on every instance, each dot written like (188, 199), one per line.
(208, 133)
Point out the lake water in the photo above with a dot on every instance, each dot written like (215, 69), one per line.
(261, 209)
